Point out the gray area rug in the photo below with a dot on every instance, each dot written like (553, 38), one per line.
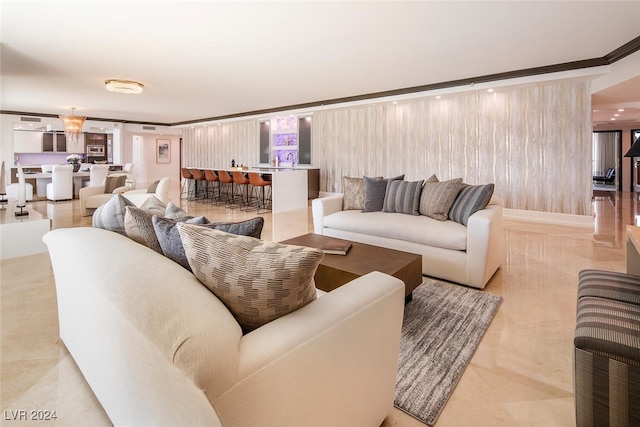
(442, 328)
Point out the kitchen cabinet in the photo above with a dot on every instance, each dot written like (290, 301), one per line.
(27, 141)
(54, 142)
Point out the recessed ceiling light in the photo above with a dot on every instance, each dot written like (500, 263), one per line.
(612, 118)
(123, 86)
(395, 102)
(438, 97)
(616, 115)
(621, 109)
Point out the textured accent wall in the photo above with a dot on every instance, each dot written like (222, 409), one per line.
(215, 146)
(534, 143)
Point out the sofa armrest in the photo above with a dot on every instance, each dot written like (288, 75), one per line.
(86, 192)
(339, 351)
(322, 207)
(485, 244)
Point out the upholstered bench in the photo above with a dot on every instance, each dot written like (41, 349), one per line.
(607, 349)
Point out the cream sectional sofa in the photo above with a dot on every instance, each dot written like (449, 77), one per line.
(158, 348)
(469, 255)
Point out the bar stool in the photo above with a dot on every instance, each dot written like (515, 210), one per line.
(239, 178)
(260, 184)
(198, 178)
(227, 180)
(186, 183)
(212, 182)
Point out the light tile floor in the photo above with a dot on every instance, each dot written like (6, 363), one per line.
(521, 374)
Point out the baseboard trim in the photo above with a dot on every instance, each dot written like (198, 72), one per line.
(549, 218)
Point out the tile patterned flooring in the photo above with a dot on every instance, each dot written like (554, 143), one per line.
(521, 375)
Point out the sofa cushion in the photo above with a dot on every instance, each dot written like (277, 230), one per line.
(113, 182)
(175, 212)
(152, 188)
(110, 215)
(470, 200)
(353, 190)
(171, 243)
(374, 192)
(403, 197)
(437, 197)
(154, 205)
(139, 228)
(417, 229)
(257, 280)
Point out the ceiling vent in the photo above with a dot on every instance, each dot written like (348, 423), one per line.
(31, 119)
(148, 127)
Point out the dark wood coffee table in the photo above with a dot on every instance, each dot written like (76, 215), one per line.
(336, 270)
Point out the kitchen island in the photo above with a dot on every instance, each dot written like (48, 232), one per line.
(289, 186)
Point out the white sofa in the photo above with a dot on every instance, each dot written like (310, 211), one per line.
(138, 197)
(158, 348)
(469, 255)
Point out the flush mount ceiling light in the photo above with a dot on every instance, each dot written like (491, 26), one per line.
(72, 127)
(123, 86)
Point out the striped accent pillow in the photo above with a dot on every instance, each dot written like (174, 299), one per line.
(403, 197)
(110, 215)
(437, 197)
(257, 280)
(470, 200)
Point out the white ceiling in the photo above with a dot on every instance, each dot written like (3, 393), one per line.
(205, 59)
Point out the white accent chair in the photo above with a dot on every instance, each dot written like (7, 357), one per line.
(93, 196)
(138, 197)
(61, 185)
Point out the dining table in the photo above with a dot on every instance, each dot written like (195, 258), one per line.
(43, 178)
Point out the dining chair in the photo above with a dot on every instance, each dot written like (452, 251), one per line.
(61, 185)
(97, 174)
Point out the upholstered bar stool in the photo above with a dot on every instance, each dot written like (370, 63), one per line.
(262, 190)
(240, 179)
(229, 186)
(186, 183)
(199, 181)
(213, 182)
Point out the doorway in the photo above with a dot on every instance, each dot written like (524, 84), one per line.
(606, 155)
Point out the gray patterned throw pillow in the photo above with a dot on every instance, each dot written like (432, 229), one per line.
(470, 200)
(437, 197)
(257, 280)
(110, 215)
(403, 197)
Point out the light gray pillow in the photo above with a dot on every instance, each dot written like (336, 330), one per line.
(110, 215)
(154, 205)
(257, 280)
(374, 192)
(437, 197)
(175, 212)
(403, 197)
(470, 200)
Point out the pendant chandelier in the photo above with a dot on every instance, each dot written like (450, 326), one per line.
(72, 127)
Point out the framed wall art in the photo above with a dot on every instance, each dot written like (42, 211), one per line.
(163, 151)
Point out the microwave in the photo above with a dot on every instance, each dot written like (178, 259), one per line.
(95, 150)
